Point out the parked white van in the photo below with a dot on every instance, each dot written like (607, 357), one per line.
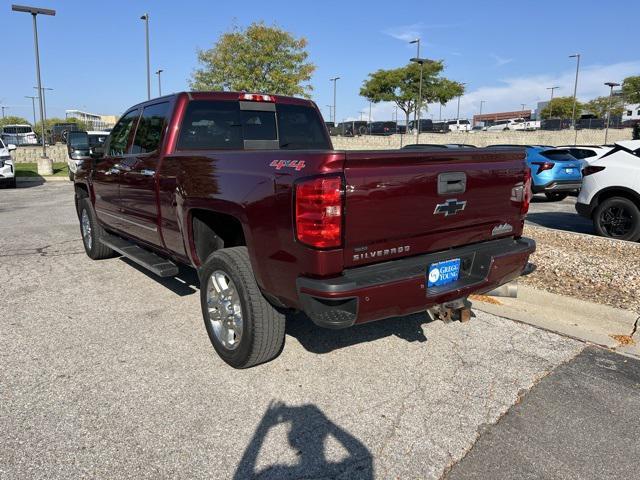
(459, 125)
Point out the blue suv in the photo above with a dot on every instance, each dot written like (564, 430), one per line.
(554, 171)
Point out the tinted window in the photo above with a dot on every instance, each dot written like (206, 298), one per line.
(258, 125)
(120, 134)
(558, 155)
(581, 153)
(95, 140)
(214, 125)
(150, 128)
(300, 128)
(78, 140)
(211, 125)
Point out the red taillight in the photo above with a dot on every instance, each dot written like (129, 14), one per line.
(542, 166)
(590, 170)
(256, 97)
(521, 193)
(526, 194)
(319, 212)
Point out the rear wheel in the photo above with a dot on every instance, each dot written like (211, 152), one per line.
(244, 328)
(92, 232)
(617, 217)
(556, 196)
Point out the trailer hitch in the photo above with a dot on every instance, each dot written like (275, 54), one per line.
(459, 309)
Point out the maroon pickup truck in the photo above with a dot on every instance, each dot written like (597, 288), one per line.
(247, 189)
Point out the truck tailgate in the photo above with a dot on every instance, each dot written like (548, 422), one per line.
(393, 207)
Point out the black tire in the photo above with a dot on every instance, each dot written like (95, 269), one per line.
(12, 183)
(262, 337)
(94, 248)
(617, 217)
(556, 196)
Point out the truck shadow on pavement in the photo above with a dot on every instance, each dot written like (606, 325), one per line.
(309, 430)
(322, 340)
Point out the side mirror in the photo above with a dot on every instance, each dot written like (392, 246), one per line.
(96, 152)
(11, 147)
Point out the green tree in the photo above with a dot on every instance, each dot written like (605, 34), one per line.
(600, 106)
(631, 89)
(13, 120)
(560, 107)
(259, 58)
(401, 86)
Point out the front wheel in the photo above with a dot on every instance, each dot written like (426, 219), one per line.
(617, 217)
(92, 232)
(556, 196)
(244, 328)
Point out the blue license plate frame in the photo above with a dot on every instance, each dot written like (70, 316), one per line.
(443, 273)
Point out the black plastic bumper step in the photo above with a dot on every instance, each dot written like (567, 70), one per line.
(149, 260)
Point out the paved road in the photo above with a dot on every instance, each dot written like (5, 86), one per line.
(107, 373)
(559, 215)
(579, 422)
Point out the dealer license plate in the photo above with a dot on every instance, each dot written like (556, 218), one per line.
(442, 273)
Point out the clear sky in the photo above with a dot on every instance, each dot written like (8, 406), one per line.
(508, 52)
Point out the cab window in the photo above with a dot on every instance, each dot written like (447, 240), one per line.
(150, 127)
(120, 134)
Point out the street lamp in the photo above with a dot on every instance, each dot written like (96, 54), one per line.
(46, 166)
(44, 101)
(145, 17)
(610, 85)
(3, 109)
(575, 91)
(33, 104)
(459, 96)
(551, 101)
(159, 82)
(420, 61)
(330, 114)
(334, 80)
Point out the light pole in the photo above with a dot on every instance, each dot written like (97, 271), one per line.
(610, 85)
(159, 82)
(551, 101)
(145, 17)
(44, 101)
(523, 105)
(335, 81)
(369, 116)
(330, 114)
(33, 104)
(419, 61)
(46, 166)
(459, 96)
(575, 91)
(3, 108)
(361, 115)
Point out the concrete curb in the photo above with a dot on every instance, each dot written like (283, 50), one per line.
(578, 319)
(21, 180)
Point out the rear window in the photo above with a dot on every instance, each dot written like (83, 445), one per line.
(222, 125)
(558, 155)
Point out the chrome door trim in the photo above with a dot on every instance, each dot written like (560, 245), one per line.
(119, 217)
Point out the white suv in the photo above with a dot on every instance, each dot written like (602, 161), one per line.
(610, 193)
(7, 167)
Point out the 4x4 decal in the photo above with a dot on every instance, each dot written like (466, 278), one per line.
(280, 164)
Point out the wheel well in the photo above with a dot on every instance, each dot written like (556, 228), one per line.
(213, 231)
(618, 192)
(81, 192)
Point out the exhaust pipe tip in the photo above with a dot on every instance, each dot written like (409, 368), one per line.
(507, 290)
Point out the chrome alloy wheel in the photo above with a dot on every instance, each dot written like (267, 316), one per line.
(85, 226)
(225, 312)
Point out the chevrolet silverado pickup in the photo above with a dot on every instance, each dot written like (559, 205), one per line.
(247, 189)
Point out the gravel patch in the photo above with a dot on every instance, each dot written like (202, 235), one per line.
(590, 268)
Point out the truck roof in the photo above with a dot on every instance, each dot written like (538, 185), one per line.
(229, 96)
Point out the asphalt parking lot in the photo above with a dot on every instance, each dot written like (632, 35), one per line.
(559, 215)
(107, 372)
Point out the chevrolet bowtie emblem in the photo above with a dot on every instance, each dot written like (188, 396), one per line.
(450, 207)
